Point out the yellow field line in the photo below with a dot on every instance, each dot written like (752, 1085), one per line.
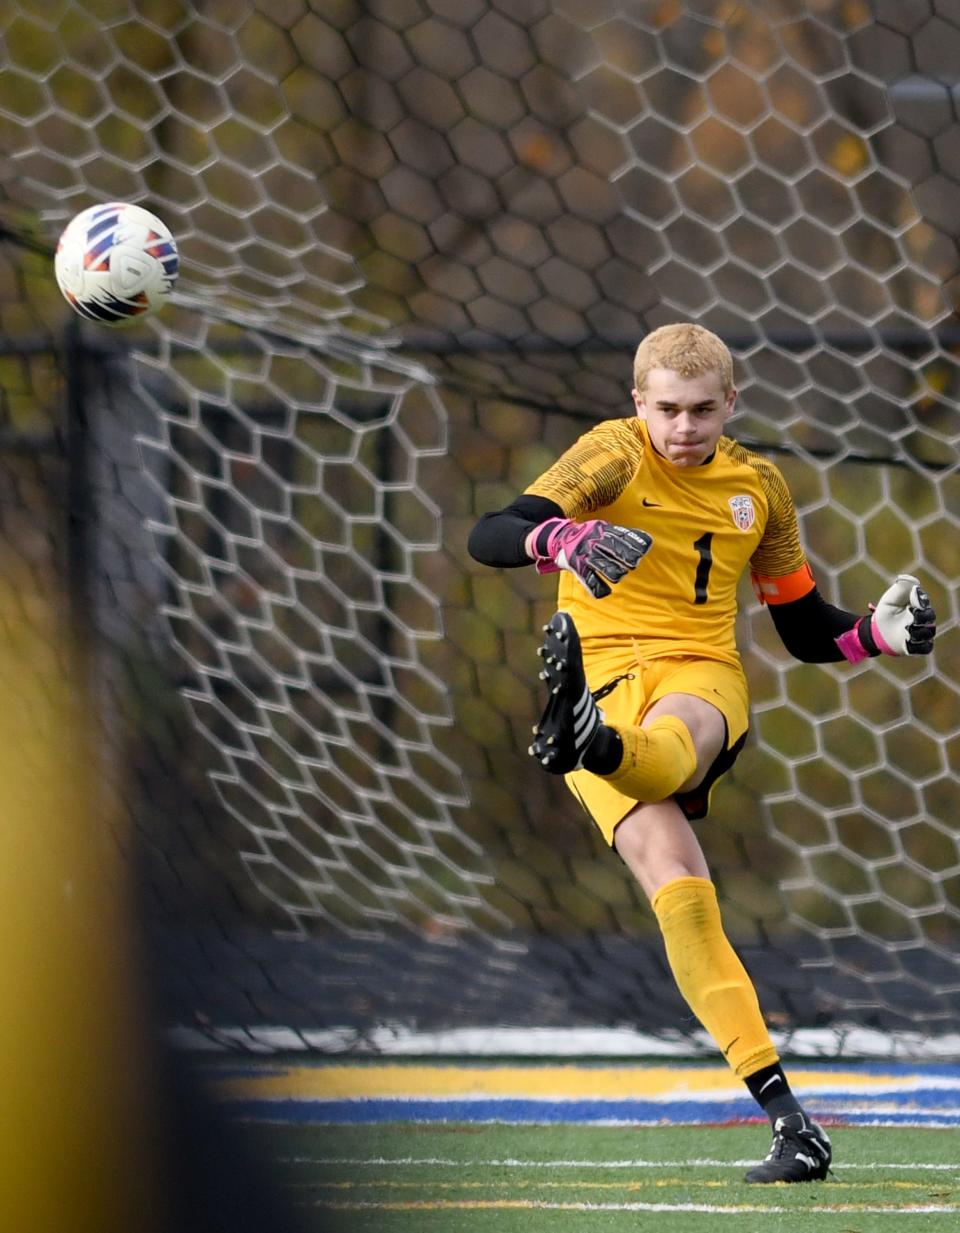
(646, 1184)
(571, 1082)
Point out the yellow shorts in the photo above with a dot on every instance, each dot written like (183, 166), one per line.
(722, 685)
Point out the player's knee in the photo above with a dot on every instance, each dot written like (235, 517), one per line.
(657, 760)
(705, 725)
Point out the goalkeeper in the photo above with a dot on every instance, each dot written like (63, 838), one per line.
(646, 623)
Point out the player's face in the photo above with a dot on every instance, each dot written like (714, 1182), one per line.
(685, 415)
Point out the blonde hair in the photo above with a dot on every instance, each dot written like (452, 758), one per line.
(686, 349)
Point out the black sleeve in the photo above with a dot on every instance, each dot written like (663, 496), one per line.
(808, 628)
(498, 538)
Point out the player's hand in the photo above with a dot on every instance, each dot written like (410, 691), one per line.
(597, 553)
(901, 622)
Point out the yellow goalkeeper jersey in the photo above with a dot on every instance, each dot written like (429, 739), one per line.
(708, 523)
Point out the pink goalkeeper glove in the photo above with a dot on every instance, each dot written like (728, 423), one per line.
(597, 553)
(902, 622)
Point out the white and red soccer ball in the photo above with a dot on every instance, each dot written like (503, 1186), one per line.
(116, 263)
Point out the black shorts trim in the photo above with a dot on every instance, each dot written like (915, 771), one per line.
(696, 803)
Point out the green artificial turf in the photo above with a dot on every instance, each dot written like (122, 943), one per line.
(470, 1178)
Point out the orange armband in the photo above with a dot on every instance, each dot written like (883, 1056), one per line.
(785, 589)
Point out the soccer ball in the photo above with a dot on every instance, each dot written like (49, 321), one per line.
(116, 263)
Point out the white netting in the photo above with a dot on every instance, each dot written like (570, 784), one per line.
(291, 540)
(420, 241)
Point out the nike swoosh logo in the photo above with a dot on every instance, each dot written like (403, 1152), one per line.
(772, 1079)
(651, 504)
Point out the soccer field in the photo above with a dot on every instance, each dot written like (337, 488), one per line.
(379, 1145)
(405, 1176)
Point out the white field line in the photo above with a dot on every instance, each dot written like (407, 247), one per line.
(926, 1209)
(443, 1162)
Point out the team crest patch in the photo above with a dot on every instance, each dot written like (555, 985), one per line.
(744, 515)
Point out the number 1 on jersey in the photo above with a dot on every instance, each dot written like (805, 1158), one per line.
(702, 546)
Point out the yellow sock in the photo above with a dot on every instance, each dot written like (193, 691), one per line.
(656, 760)
(709, 974)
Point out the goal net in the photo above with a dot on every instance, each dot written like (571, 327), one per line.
(419, 244)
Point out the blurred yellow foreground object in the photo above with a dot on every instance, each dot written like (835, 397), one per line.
(78, 1107)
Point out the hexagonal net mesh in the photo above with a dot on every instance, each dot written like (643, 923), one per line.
(420, 240)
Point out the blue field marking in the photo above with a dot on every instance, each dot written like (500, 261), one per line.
(873, 1094)
(534, 1112)
(600, 1112)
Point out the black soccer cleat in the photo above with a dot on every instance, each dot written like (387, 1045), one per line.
(571, 719)
(801, 1152)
